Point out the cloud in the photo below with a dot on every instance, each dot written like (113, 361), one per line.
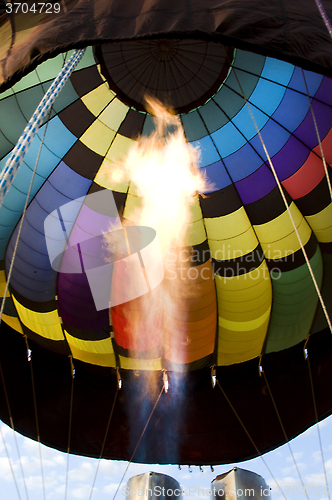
(83, 472)
(82, 491)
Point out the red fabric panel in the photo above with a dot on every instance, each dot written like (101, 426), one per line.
(306, 178)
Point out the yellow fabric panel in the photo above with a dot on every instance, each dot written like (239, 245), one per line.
(98, 99)
(321, 224)
(47, 325)
(132, 208)
(119, 148)
(254, 349)
(100, 73)
(104, 179)
(98, 137)
(244, 306)
(278, 238)
(3, 282)
(244, 311)
(235, 247)
(254, 283)
(12, 322)
(114, 114)
(97, 352)
(231, 225)
(244, 326)
(140, 364)
(194, 233)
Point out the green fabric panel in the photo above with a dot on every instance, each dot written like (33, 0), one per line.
(193, 126)
(27, 82)
(12, 122)
(50, 69)
(213, 116)
(66, 97)
(29, 100)
(294, 305)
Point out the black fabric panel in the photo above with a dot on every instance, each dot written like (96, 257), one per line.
(119, 198)
(154, 353)
(83, 160)
(205, 362)
(9, 308)
(267, 208)
(315, 201)
(42, 307)
(79, 333)
(77, 118)
(326, 247)
(192, 255)
(57, 346)
(222, 202)
(132, 125)
(185, 427)
(86, 80)
(296, 259)
(240, 265)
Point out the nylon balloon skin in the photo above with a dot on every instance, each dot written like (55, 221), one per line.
(253, 292)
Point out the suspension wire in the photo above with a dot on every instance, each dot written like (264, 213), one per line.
(318, 136)
(320, 297)
(325, 17)
(306, 357)
(104, 441)
(138, 443)
(14, 434)
(6, 178)
(70, 420)
(36, 412)
(23, 217)
(284, 432)
(250, 438)
(7, 289)
(17, 154)
(10, 464)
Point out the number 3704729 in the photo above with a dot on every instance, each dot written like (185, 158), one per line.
(35, 7)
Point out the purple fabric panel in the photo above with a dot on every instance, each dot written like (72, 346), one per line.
(76, 305)
(324, 92)
(290, 158)
(256, 186)
(306, 131)
(87, 232)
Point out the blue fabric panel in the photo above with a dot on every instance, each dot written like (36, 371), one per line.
(208, 151)
(246, 122)
(267, 96)
(217, 176)
(313, 81)
(242, 163)
(32, 275)
(277, 71)
(274, 138)
(58, 139)
(228, 140)
(298, 104)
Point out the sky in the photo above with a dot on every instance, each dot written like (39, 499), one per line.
(285, 482)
